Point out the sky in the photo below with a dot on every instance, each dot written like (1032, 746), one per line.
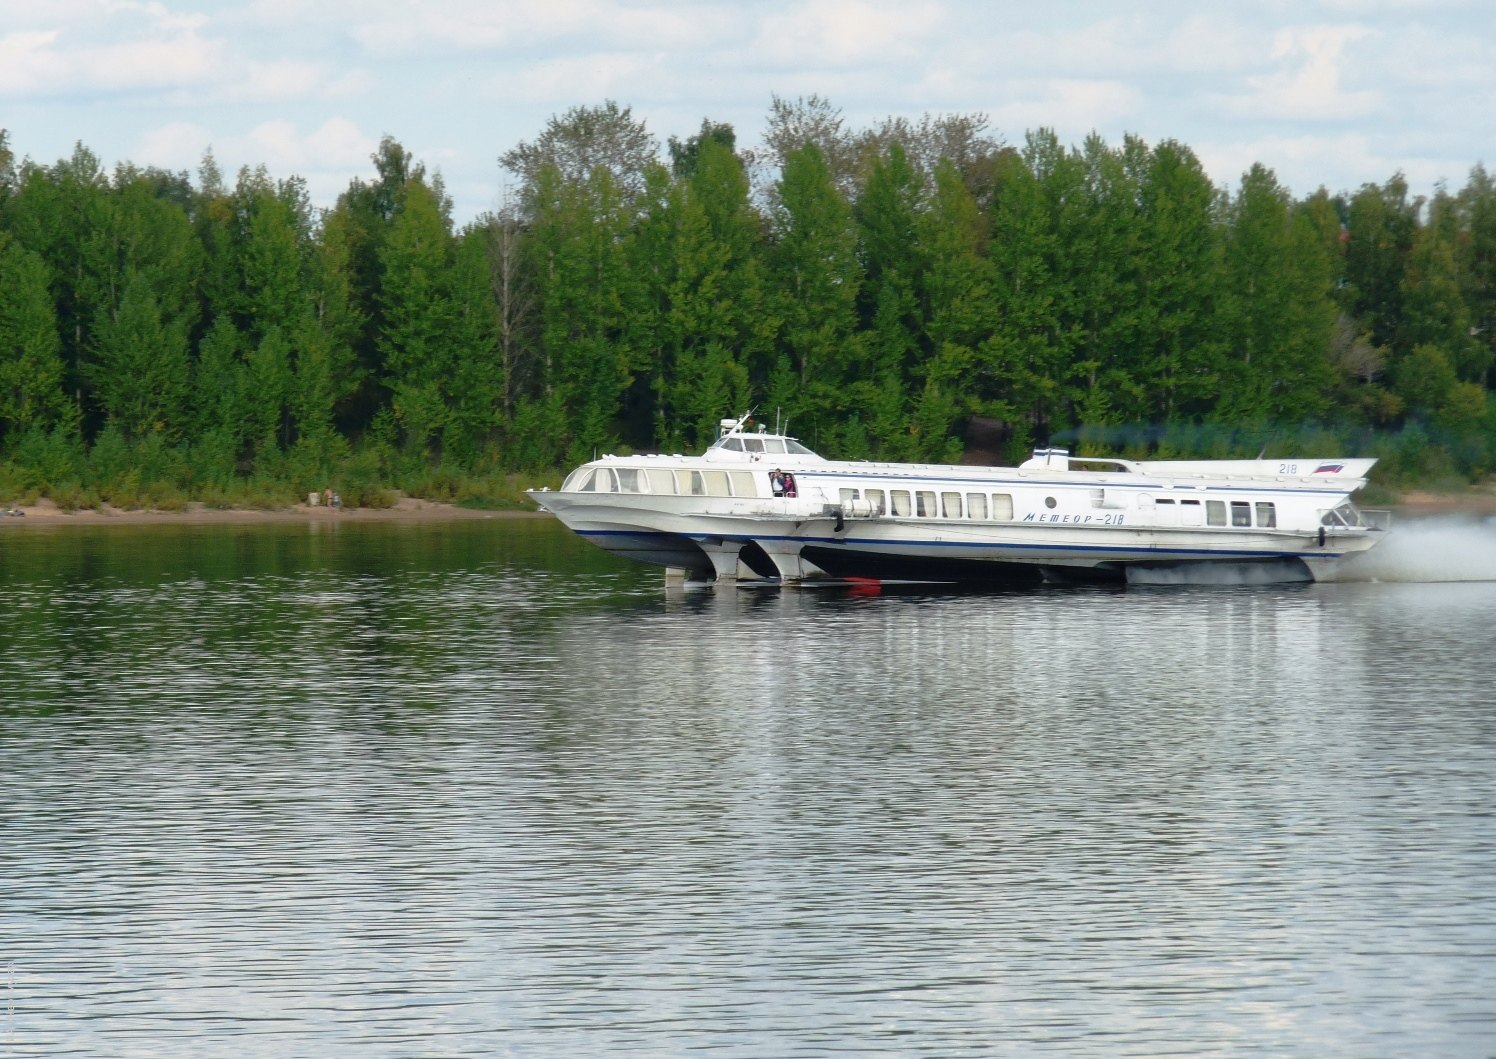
(1333, 93)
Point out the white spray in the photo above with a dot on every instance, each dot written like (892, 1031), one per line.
(1425, 550)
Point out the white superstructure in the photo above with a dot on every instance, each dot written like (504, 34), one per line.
(1057, 516)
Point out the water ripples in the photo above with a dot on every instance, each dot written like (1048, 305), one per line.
(487, 796)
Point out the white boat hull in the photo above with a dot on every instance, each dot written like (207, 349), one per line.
(1054, 517)
(683, 532)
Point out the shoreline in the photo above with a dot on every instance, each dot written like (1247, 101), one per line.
(1479, 502)
(407, 509)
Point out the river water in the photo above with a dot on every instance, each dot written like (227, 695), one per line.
(477, 789)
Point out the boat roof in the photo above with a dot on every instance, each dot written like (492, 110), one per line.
(742, 440)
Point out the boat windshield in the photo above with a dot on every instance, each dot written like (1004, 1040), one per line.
(761, 443)
(1346, 514)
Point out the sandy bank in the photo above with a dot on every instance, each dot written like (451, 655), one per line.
(407, 509)
(1478, 500)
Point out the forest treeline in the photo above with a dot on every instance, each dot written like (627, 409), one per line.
(894, 292)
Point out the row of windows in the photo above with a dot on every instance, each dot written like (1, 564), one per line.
(926, 503)
(660, 480)
(999, 506)
(920, 503)
(1237, 513)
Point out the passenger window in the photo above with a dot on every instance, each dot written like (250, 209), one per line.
(899, 498)
(950, 505)
(628, 480)
(1241, 513)
(698, 484)
(580, 481)
(976, 505)
(1215, 513)
(1267, 515)
(660, 481)
(742, 483)
(848, 494)
(875, 497)
(716, 483)
(1002, 506)
(924, 504)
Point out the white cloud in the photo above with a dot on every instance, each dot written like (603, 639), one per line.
(623, 77)
(351, 84)
(840, 33)
(1069, 105)
(1303, 163)
(276, 81)
(175, 145)
(29, 61)
(1291, 158)
(1308, 85)
(1425, 59)
(1207, 45)
(161, 53)
(475, 26)
(1339, 92)
(149, 64)
(337, 143)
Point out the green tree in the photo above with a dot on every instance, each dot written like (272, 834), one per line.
(1276, 313)
(891, 306)
(1475, 207)
(811, 121)
(280, 300)
(698, 254)
(57, 212)
(147, 251)
(417, 313)
(223, 401)
(1173, 344)
(1094, 196)
(353, 234)
(1031, 353)
(580, 248)
(1381, 224)
(816, 278)
(476, 395)
(1435, 310)
(579, 143)
(31, 370)
(139, 364)
(965, 366)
